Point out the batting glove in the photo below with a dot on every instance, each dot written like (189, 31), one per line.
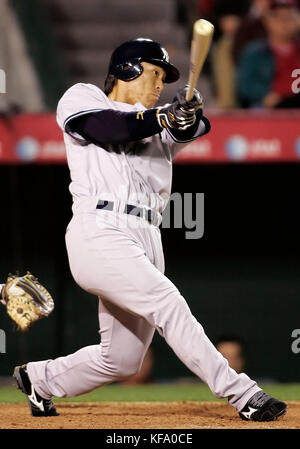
(194, 104)
(175, 116)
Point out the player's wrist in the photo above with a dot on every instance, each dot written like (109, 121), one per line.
(165, 118)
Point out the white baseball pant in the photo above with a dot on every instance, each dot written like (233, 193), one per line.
(112, 256)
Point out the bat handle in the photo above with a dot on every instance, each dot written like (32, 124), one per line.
(190, 93)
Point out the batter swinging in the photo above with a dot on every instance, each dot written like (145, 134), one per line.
(120, 150)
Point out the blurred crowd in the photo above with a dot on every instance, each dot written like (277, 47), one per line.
(252, 63)
(23, 90)
(255, 53)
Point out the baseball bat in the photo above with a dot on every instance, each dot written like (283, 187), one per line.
(203, 32)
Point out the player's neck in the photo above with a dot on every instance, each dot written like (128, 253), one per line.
(119, 95)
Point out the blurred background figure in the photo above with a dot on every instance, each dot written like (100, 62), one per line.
(35, 73)
(186, 14)
(251, 27)
(87, 32)
(188, 11)
(23, 92)
(227, 17)
(145, 374)
(205, 7)
(232, 348)
(265, 66)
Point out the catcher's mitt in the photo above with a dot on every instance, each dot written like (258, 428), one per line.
(26, 300)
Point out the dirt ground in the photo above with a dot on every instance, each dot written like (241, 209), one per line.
(141, 415)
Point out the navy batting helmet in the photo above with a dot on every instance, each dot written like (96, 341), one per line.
(125, 63)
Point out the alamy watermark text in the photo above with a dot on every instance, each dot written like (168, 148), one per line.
(2, 342)
(2, 82)
(296, 343)
(296, 83)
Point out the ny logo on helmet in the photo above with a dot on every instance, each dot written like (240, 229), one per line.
(165, 54)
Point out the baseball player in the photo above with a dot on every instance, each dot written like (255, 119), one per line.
(120, 149)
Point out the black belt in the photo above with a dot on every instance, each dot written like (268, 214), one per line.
(129, 209)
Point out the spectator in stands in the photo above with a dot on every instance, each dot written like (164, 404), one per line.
(251, 27)
(186, 16)
(227, 18)
(227, 8)
(205, 7)
(232, 348)
(265, 66)
(188, 11)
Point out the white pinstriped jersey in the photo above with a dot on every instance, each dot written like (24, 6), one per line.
(138, 172)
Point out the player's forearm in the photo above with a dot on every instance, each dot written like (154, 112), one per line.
(116, 127)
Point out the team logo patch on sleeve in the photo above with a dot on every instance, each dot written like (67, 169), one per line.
(140, 115)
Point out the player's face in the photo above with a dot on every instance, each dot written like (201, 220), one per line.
(146, 89)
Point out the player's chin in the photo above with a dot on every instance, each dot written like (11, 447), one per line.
(151, 101)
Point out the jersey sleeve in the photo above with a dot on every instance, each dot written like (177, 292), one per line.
(77, 101)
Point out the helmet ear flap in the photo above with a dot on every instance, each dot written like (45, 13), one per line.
(129, 70)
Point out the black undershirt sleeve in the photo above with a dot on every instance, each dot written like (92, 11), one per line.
(116, 127)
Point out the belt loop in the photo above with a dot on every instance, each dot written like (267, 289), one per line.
(122, 205)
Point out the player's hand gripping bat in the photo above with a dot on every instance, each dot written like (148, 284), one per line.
(181, 114)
